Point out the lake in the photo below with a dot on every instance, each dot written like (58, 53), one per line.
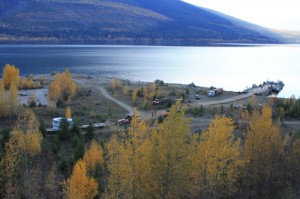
(231, 67)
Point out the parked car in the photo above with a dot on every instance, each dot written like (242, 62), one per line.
(197, 97)
(123, 122)
(166, 113)
(239, 106)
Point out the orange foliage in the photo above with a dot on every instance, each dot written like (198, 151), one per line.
(68, 112)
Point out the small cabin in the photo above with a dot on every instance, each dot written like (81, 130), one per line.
(56, 122)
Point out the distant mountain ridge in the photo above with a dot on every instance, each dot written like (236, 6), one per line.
(154, 22)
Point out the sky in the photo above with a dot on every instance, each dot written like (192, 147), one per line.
(277, 14)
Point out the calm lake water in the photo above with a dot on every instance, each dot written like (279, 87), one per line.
(233, 68)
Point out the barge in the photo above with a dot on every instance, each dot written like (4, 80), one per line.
(266, 88)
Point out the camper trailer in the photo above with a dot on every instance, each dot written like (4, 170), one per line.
(56, 122)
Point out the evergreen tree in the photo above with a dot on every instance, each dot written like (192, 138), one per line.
(90, 132)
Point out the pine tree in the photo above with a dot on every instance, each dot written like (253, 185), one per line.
(90, 132)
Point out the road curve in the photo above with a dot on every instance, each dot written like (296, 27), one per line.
(122, 104)
(109, 97)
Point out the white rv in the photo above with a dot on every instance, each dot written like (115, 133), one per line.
(56, 122)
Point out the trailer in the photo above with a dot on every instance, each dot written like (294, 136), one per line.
(214, 92)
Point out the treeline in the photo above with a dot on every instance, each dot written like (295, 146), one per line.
(288, 108)
(159, 161)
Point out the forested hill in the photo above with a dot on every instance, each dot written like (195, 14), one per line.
(159, 22)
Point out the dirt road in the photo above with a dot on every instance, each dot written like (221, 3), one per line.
(122, 104)
(106, 95)
(227, 100)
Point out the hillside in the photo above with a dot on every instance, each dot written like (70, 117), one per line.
(159, 22)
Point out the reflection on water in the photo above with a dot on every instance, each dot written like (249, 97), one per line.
(233, 68)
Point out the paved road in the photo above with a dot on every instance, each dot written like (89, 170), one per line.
(227, 100)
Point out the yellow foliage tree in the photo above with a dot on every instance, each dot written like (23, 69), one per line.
(25, 142)
(262, 150)
(93, 157)
(294, 171)
(145, 102)
(80, 185)
(216, 160)
(30, 81)
(10, 75)
(115, 84)
(68, 112)
(117, 167)
(134, 95)
(26, 132)
(24, 84)
(145, 91)
(128, 162)
(169, 161)
(153, 88)
(4, 108)
(62, 86)
(126, 90)
(14, 98)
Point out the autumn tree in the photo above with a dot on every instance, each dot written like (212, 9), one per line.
(134, 95)
(153, 89)
(262, 152)
(24, 143)
(294, 164)
(169, 161)
(115, 84)
(14, 99)
(10, 75)
(51, 186)
(80, 185)
(30, 81)
(4, 108)
(128, 162)
(62, 87)
(215, 161)
(68, 112)
(94, 160)
(116, 166)
(93, 157)
(126, 90)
